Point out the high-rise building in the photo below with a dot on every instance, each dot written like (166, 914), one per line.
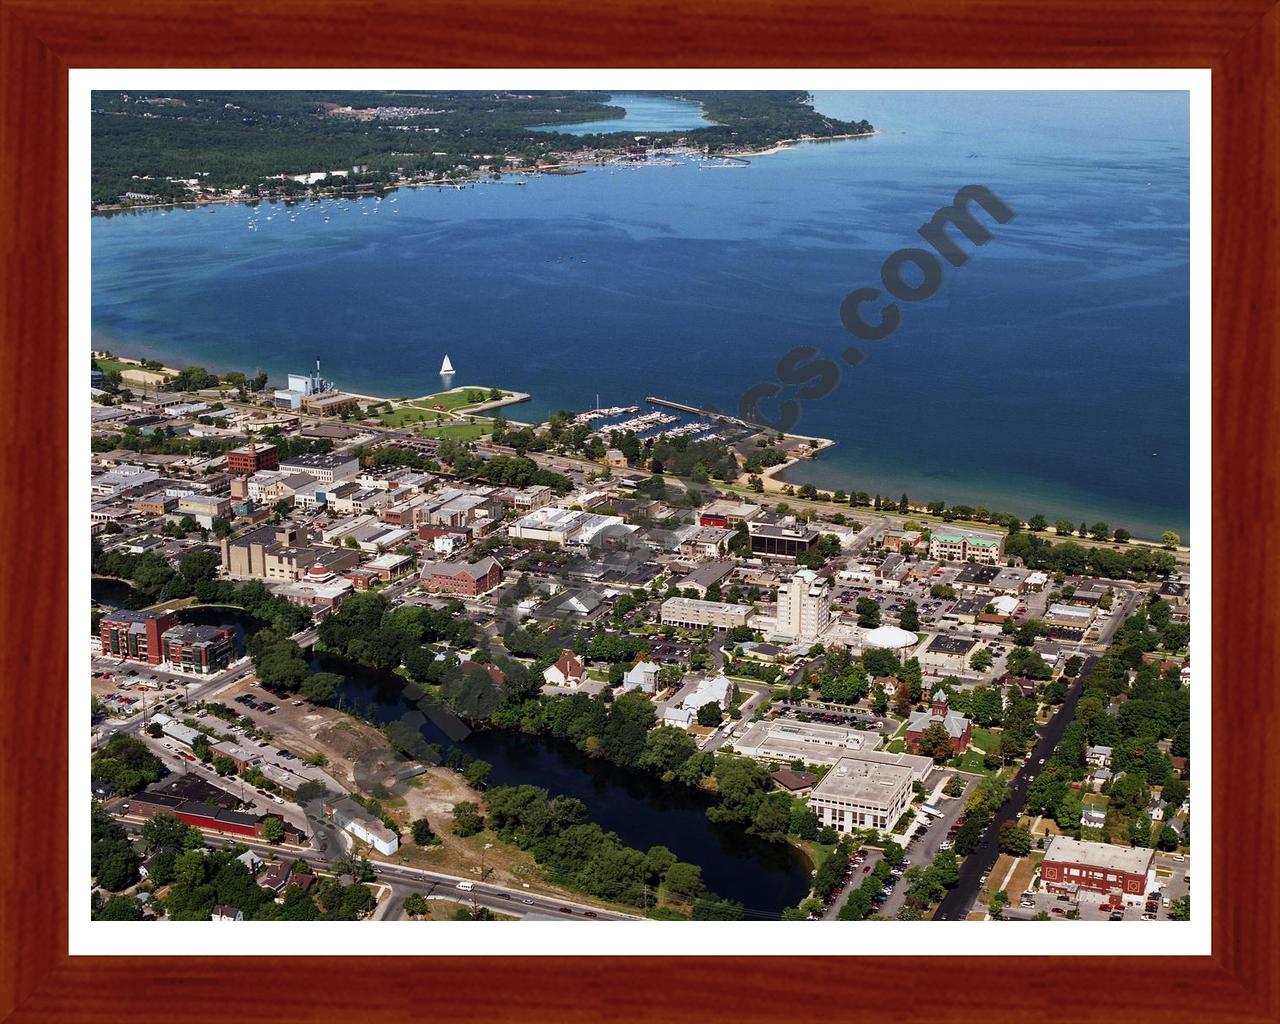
(804, 606)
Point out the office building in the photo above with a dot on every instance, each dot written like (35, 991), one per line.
(862, 794)
(135, 636)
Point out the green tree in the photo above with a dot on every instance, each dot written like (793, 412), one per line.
(415, 905)
(223, 765)
(1170, 540)
(935, 743)
(868, 612)
(683, 882)
(320, 687)
(273, 830)
(119, 908)
(710, 714)
(477, 773)
(466, 819)
(909, 619)
(1015, 841)
(422, 833)
(981, 660)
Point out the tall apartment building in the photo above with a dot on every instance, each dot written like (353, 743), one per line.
(804, 606)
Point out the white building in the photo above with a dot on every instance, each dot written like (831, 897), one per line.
(564, 527)
(124, 479)
(859, 794)
(686, 611)
(354, 819)
(642, 676)
(804, 606)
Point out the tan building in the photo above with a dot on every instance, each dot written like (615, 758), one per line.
(281, 553)
(686, 611)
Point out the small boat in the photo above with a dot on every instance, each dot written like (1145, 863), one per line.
(446, 366)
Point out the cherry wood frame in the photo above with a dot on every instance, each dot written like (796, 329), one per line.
(40, 39)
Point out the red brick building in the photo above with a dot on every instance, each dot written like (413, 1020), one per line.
(465, 578)
(200, 649)
(959, 728)
(1118, 871)
(251, 458)
(135, 636)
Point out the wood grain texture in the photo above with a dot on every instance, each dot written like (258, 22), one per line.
(39, 41)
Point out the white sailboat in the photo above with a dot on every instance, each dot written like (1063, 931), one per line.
(446, 366)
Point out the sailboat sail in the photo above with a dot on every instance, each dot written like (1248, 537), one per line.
(446, 366)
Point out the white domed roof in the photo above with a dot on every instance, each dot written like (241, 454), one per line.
(890, 637)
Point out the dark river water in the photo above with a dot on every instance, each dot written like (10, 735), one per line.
(642, 809)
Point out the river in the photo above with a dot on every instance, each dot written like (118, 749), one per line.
(641, 809)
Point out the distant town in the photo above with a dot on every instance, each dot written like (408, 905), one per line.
(334, 635)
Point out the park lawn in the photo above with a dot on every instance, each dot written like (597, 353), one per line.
(897, 746)
(119, 365)
(460, 431)
(453, 400)
(969, 761)
(987, 740)
(406, 414)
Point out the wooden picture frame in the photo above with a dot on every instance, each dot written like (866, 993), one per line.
(42, 39)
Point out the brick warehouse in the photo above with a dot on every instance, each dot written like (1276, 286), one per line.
(1070, 865)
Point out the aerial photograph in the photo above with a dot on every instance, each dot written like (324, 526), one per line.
(666, 505)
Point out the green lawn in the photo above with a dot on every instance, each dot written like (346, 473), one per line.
(459, 431)
(422, 410)
(971, 761)
(453, 400)
(986, 739)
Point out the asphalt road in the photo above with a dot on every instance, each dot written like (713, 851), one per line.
(956, 904)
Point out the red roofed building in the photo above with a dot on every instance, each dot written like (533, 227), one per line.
(567, 671)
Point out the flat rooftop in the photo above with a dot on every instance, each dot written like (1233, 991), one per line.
(1134, 859)
(862, 781)
(814, 742)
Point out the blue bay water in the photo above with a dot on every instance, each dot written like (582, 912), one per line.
(643, 114)
(1041, 377)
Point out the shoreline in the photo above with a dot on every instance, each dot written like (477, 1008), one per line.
(469, 180)
(769, 475)
(784, 144)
